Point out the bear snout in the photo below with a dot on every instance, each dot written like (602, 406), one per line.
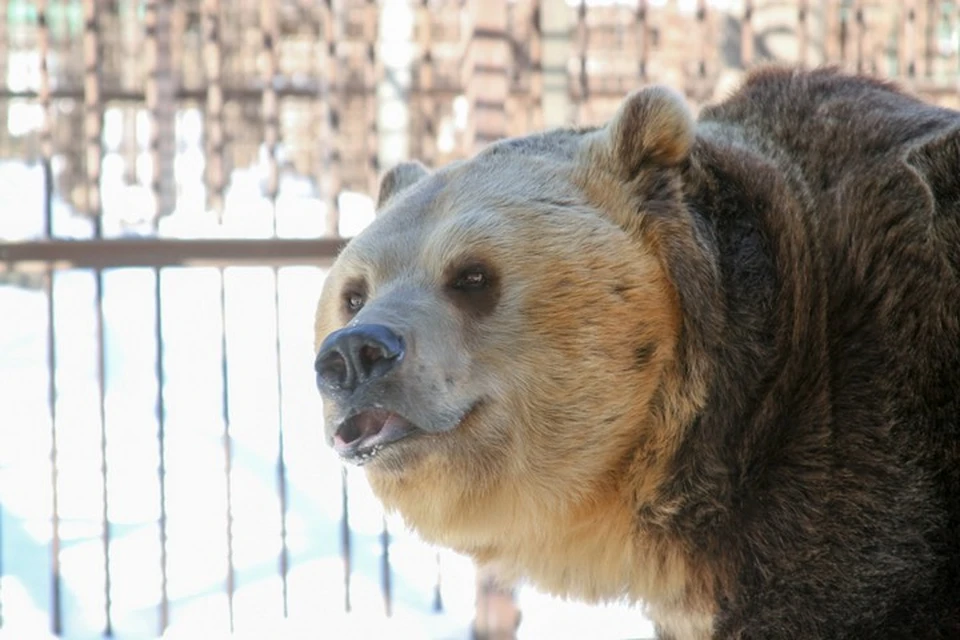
(354, 356)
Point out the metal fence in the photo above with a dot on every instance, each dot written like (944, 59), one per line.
(174, 177)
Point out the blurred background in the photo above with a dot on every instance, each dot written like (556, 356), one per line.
(175, 176)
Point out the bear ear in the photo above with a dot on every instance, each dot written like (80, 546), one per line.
(399, 178)
(652, 126)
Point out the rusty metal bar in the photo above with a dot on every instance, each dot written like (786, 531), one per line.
(214, 138)
(155, 252)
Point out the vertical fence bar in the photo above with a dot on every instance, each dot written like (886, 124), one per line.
(93, 126)
(46, 150)
(56, 589)
(231, 579)
(438, 584)
(271, 137)
(106, 530)
(345, 539)
(283, 561)
(330, 19)
(152, 95)
(385, 577)
(164, 608)
(213, 68)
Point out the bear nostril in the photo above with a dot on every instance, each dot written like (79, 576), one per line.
(332, 370)
(374, 359)
(369, 355)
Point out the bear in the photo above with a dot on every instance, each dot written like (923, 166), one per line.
(708, 365)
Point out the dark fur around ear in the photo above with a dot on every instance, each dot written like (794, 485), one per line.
(938, 160)
(397, 179)
(653, 126)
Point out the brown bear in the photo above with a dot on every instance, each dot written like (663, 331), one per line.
(708, 366)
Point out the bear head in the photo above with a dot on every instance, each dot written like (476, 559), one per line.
(500, 348)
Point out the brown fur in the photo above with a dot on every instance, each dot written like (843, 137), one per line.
(714, 368)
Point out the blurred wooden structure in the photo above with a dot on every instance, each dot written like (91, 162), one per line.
(328, 89)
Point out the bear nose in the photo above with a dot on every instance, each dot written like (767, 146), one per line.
(353, 356)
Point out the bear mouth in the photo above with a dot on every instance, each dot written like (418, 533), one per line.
(363, 435)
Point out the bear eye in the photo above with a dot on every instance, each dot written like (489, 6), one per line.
(353, 300)
(471, 279)
(474, 287)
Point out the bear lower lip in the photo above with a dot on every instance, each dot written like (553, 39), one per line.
(362, 436)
